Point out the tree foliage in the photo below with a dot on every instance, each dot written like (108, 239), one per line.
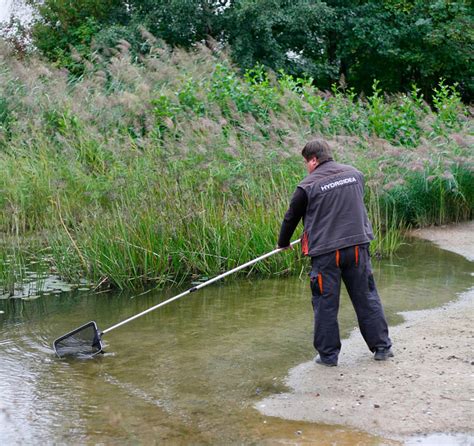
(398, 42)
(401, 42)
(179, 22)
(293, 36)
(65, 26)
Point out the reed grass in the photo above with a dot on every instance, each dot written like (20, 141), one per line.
(22, 273)
(388, 228)
(12, 271)
(179, 168)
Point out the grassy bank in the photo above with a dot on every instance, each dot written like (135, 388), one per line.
(179, 168)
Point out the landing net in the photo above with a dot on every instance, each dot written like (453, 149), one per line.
(83, 341)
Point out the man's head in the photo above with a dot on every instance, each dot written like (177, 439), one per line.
(315, 152)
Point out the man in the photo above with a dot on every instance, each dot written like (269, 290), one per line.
(336, 236)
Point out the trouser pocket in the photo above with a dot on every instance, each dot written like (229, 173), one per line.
(316, 281)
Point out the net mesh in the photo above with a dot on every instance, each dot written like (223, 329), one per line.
(83, 341)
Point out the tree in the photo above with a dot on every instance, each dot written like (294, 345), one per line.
(293, 36)
(397, 42)
(65, 24)
(401, 42)
(179, 22)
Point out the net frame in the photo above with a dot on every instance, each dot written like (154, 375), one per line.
(73, 344)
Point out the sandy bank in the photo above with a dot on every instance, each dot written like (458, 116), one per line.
(454, 238)
(428, 387)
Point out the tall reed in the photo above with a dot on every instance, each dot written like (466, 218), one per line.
(179, 167)
(12, 271)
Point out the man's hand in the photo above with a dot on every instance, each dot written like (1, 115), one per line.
(284, 248)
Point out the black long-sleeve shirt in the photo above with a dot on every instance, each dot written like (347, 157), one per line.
(295, 213)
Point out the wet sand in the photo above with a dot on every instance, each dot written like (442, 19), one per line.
(427, 388)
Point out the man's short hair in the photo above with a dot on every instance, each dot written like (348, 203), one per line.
(318, 148)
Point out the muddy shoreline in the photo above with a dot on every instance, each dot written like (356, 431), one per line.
(427, 388)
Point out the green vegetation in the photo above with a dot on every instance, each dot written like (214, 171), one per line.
(179, 168)
(23, 269)
(398, 42)
(12, 267)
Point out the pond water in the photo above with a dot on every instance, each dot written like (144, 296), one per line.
(190, 372)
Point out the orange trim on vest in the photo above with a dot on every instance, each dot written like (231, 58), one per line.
(357, 255)
(320, 283)
(337, 258)
(304, 244)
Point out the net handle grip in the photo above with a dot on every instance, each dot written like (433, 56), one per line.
(198, 287)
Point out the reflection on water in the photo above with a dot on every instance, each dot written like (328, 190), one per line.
(191, 371)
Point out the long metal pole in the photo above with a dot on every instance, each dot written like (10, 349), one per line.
(197, 287)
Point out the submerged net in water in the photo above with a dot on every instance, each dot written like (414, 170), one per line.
(83, 341)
